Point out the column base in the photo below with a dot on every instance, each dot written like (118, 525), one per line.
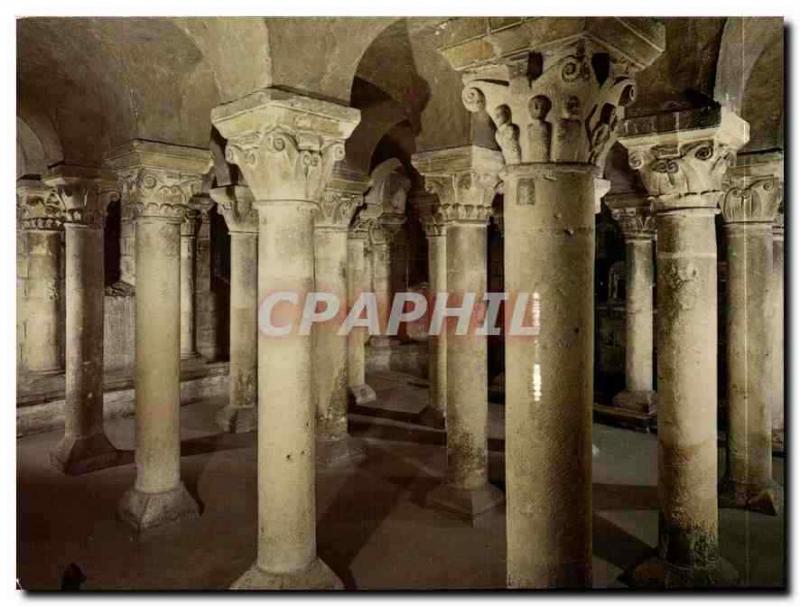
(640, 401)
(468, 504)
(191, 360)
(143, 510)
(655, 573)
(777, 442)
(379, 353)
(362, 394)
(237, 419)
(758, 498)
(317, 577)
(432, 417)
(77, 455)
(338, 451)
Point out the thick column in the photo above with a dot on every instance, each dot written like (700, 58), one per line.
(777, 296)
(748, 210)
(189, 227)
(161, 178)
(241, 412)
(380, 245)
(682, 158)
(436, 232)
(633, 214)
(555, 89)
(85, 195)
(286, 145)
(41, 218)
(465, 180)
(357, 282)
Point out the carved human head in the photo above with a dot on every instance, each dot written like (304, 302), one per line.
(502, 115)
(539, 106)
(572, 107)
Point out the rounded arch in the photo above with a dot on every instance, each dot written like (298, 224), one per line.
(37, 144)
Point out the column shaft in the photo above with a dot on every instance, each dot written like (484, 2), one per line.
(549, 222)
(437, 344)
(187, 295)
(639, 315)
(357, 283)
(776, 290)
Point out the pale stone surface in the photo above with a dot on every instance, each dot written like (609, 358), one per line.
(357, 283)
(161, 179)
(637, 222)
(748, 210)
(241, 412)
(465, 181)
(85, 195)
(777, 296)
(286, 145)
(682, 158)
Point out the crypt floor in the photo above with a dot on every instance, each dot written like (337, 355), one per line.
(373, 529)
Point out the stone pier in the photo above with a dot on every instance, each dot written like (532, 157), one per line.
(241, 412)
(189, 225)
(465, 181)
(777, 297)
(286, 145)
(682, 158)
(358, 282)
(85, 194)
(749, 208)
(160, 178)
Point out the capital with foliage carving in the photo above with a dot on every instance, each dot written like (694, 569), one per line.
(85, 193)
(754, 188)
(235, 202)
(342, 197)
(285, 144)
(430, 215)
(465, 180)
(38, 206)
(634, 214)
(683, 157)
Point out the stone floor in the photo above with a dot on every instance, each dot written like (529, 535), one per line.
(372, 527)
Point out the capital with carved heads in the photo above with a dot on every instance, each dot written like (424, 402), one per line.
(633, 212)
(285, 144)
(555, 87)
(342, 197)
(38, 206)
(465, 180)
(236, 205)
(158, 179)
(85, 193)
(683, 156)
(754, 189)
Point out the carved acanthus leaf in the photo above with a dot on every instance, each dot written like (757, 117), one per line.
(752, 200)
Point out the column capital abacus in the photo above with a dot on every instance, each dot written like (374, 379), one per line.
(38, 206)
(159, 179)
(754, 188)
(84, 192)
(341, 199)
(682, 157)
(464, 179)
(236, 205)
(285, 144)
(634, 214)
(555, 88)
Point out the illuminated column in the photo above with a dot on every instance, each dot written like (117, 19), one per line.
(286, 145)
(160, 179)
(777, 328)
(358, 282)
(465, 180)
(682, 158)
(189, 227)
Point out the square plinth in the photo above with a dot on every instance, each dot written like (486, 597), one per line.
(655, 573)
(143, 510)
(237, 419)
(317, 577)
(78, 455)
(467, 504)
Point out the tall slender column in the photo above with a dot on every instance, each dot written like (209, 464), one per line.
(776, 289)
(161, 179)
(344, 194)
(632, 212)
(189, 227)
(127, 240)
(241, 412)
(286, 145)
(436, 232)
(682, 158)
(465, 180)
(748, 210)
(555, 89)
(41, 218)
(85, 194)
(206, 298)
(358, 282)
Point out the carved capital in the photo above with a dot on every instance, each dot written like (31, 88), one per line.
(285, 144)
(464, 179)
(634, 214)
(236, 205)
(158, 179)
(430, 215)
(38, 206)
(85, 193)
(683, 157)
(342, 197)
(754, 188)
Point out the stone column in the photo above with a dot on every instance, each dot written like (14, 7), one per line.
(777, 297)
(286, 145)
(632, 212)
(161, 179)
(465, 180)
(358, 282)
(41, 219)
(344, 194)
(436, 232)
(85, 195)
(189, 227)
(555, 89)
(206, 299)
(748, 211)
(127, 241)
(682, 158)
(241, 412)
